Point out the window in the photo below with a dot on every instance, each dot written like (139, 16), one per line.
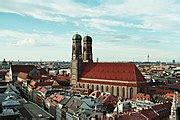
(93, 87)
(102, 88)
(117, 91)
(131, 93)
(87, 86)
(112, 90)
(106, 88)
(97, 87)
(123, 92)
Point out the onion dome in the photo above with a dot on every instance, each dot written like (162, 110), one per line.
(76, 37)
(87, 39)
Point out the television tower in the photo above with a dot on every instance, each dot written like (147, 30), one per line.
(148, 57)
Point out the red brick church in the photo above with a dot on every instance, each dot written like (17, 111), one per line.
(120, 79)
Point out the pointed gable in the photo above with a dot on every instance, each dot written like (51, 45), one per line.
(95, 94)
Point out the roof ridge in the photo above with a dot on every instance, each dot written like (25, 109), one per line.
(135, 72)
(112, 71)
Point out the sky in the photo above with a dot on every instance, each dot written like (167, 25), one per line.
(122, 30)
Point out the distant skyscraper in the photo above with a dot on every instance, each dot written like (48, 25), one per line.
(148, 57)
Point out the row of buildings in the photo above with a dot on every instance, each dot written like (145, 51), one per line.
(13, 106)
(96, 90)
(55, 95)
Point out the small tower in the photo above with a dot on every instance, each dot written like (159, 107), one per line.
(87, 49)
(173, 115)
(148, 58)
(76, 60)
(4, 64)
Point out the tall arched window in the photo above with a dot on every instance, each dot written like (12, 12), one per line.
(102, 88)
(92, 87)
(131, 93)
(106, 88)
(123, 92)
(117, 91)
(87, 86)
(112, 90)
(97, 87)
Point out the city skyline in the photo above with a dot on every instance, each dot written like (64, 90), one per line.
(122, 30)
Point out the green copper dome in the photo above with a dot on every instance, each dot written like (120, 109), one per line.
(76, 37)
(87, 39)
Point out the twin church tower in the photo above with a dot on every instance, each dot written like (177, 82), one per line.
(79, 57)
(119, 79)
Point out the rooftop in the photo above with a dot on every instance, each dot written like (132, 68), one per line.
(31, 110)
(117, 72)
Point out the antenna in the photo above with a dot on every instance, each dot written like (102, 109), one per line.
(148, 57)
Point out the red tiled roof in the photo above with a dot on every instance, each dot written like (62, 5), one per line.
(58, 98)
(82, 91)
(41, 89)
(131, 116)
(107, 98)
(164, 110)
(141, 96)
(160, 91)
(169, 95)
(112, 71)
(22, 68)
(160, 107)
(33, 83)
(157, 112)
(150, 114)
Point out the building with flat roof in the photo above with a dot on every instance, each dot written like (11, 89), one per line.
(32, 111)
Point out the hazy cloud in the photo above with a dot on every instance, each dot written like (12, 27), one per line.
(24, 42)
(15, 38)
